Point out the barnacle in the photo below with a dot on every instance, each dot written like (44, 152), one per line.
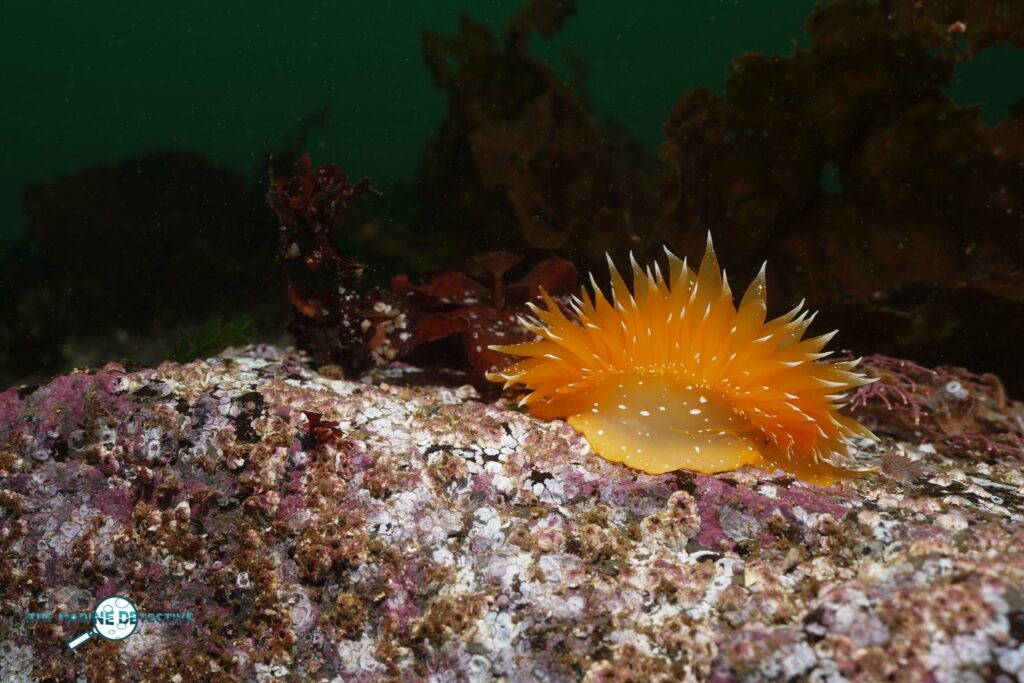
(672, 375)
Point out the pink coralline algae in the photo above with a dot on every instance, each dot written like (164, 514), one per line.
(330, 530)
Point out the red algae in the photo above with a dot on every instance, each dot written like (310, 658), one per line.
(434, 534)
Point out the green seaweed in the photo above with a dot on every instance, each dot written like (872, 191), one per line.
(211, 338)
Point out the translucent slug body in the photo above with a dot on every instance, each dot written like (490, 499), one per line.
(674, 376)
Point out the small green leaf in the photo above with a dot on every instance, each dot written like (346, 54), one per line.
(211, 338)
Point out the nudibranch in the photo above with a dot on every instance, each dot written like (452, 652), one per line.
(673, 375)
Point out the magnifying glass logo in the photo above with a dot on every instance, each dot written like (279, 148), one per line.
(115, 618)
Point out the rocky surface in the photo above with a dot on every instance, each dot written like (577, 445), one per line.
(423, 533)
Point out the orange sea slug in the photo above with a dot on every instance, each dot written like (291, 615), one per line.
(674, 376)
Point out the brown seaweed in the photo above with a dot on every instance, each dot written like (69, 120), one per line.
(868, 189)
(527, 159)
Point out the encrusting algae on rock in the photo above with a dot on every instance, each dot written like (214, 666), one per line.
(672, 375)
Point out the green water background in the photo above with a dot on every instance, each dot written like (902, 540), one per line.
(89, 83)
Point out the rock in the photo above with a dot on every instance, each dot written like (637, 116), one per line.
(330, 530)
